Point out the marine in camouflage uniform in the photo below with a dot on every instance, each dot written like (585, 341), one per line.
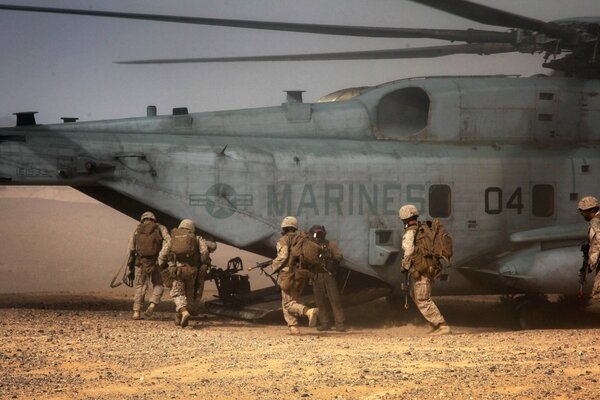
(189, 274)
(325, 286)
(421, 282)
(590, 210)
(284, 265)
(146, 268)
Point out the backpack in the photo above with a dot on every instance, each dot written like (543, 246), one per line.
(305, 250)
(148, 240)
(184, 244)
(433, 245)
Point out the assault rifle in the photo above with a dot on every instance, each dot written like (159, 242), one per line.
(402, 286)
(128, 268)
(129, 276)
(583, 271)
(406, 288)
(262, 266)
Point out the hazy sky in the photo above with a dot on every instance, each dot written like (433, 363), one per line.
(62, 65)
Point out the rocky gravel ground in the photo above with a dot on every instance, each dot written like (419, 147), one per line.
(66, 346)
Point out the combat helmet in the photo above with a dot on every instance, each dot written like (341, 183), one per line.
(587, 203)
(318, 231)
(187, 224)
(408, 211)
(148, 215)
(289, 222)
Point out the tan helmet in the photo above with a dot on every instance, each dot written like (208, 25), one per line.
(148, 215)
(588, 202)
(408, 211)
(187, 224)
(289, 222)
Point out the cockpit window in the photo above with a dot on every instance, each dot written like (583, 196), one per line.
(403, 113)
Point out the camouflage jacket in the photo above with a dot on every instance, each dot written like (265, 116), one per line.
(594, 240)
(408, 246)
(283, 250)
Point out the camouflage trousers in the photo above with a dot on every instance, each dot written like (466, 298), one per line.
(289, 302)
(183, 289)
(421, 294)
(143, 277)
(327, 294)
(596, 288)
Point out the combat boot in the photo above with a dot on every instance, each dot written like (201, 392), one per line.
(150, 310)
(324, 327)
(185, 316)
(294, 330)
(432, 328)
(136, 315)
(312, 314)
(443, 329)
(178, 318)
(340, 328)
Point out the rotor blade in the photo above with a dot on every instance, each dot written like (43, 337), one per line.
(493, 16)
(470, 35)
(417, 52)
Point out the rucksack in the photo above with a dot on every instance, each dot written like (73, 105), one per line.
(184, 244)
(148, 240)
(305, 250)
(434, 244)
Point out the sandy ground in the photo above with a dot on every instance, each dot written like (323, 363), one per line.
(85, 346)
(74, 342)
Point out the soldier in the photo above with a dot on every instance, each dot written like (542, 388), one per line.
(325, 285)
(189, 260)
(292, 279)
(148, 247)
(589, 209)
(421, 281)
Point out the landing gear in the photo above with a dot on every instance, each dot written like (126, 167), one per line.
(535, 311)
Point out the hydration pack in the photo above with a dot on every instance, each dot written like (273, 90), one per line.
(433, 248)
(148, 240)
(305, 251)
(184, 244)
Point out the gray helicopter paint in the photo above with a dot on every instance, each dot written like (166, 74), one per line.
(237, 173)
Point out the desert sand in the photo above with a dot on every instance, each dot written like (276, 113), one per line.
(65, 335)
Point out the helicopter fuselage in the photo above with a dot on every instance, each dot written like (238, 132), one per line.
(501, 161)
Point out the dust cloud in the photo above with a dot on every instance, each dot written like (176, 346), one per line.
(56, 239)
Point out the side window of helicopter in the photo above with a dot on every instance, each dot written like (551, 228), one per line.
(440, 201)
(542, 200)
(403, 113)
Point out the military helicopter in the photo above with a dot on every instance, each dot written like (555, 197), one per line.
(501, 160)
